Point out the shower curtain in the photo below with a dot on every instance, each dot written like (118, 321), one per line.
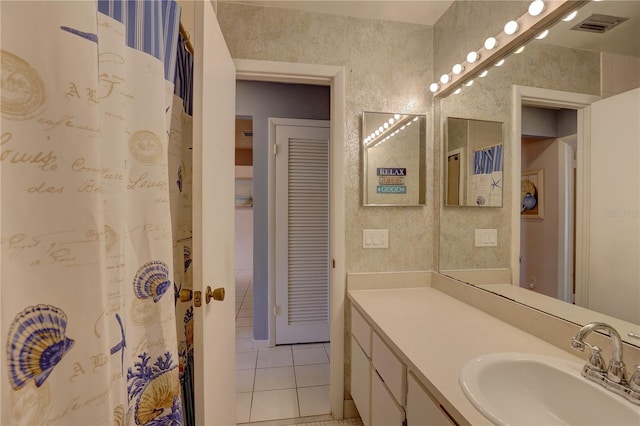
(88, 281)
(180, 165)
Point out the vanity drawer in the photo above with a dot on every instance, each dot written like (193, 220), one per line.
(422, 408)
(361, 381)
(361, 330)
(385, 411)
(391, 370)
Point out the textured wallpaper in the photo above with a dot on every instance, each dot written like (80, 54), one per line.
(388, 67)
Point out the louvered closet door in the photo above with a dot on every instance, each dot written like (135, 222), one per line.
(302, 233)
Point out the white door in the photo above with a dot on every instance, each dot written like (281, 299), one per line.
(614, 211)
(213, 220)
(302, 231)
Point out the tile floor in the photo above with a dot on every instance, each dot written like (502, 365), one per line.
(283, 382)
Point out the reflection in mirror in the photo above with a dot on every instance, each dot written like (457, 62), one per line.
(570, 62)
(473, 163)
(393, 155)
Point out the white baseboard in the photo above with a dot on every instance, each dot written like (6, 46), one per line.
(261, 343)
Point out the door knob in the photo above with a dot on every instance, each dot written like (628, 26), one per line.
(217, 294)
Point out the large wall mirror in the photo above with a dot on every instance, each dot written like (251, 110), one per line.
(393, 159)
(569, 61)
(473, 163)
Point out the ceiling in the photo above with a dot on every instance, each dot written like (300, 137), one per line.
(425, 12)
(623, 39)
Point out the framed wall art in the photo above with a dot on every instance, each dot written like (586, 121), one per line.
(532, 194)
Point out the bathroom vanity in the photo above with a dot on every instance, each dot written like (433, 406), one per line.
(409, 345)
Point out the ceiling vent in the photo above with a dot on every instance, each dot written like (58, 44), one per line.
(597, 23)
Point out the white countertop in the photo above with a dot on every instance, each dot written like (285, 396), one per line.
(436, 335)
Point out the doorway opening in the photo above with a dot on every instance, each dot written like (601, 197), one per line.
(547, 195)
(284, 381)
(572, 226)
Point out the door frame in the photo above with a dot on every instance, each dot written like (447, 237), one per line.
(334, 77)
(533, 96)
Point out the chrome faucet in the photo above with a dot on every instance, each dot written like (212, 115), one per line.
(613, 378)
(616, 372)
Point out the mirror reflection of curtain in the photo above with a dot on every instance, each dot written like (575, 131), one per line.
(181, 172)
(485, 183)
(88, 313)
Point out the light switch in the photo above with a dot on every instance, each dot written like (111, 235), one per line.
(375, 238)
(486, 238)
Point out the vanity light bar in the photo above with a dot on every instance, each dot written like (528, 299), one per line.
(398, 123)
(529, 27)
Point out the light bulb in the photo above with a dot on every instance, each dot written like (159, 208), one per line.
(511, 27)
(396, 116)
(458, 90)
(392, 120)
(519, 50)
(484, 73)
(472, 57)
(542, 35)
(445, 78)
(536, 7)
(570, 16)
(377, 132)
(490, 43)
(457, 69)
(499, 63)
(386, 125)
(381, 129)
(434, 87)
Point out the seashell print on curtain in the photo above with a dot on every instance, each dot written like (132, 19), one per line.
(88, 228)
(180, 163)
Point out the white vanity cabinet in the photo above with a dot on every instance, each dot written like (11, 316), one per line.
(384, 392)
(388, 375)
(361, 366)
(385, 410)
(422, 408)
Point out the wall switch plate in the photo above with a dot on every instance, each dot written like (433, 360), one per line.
(486, 238)
(375, 238)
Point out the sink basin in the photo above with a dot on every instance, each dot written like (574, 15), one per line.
(527, 389)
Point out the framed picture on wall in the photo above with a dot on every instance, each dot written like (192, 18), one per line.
(532, 194)
(244, 193)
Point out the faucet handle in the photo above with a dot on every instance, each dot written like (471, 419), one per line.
(634, 381)
(617, 372)
(596, 361)
(578, 344)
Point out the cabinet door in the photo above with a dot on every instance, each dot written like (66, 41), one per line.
(361, 381)
(361, 330)
(391, 369)
(422, 410)
(384, 409)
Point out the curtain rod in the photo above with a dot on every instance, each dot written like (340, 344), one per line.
(187, 40)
